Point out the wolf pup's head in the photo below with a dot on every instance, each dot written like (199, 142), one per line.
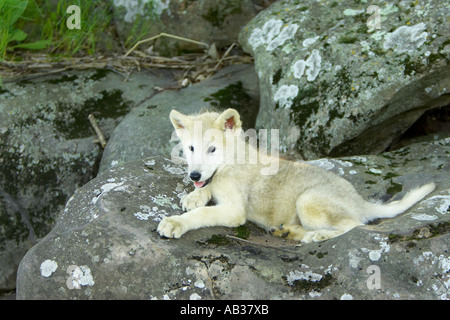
(204, 139)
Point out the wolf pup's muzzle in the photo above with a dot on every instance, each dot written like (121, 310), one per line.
(195, 176)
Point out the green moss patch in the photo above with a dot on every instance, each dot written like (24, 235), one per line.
(72, 121)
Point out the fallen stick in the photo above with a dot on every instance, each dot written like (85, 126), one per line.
(168, 35)
(224, 56)
(101, 137)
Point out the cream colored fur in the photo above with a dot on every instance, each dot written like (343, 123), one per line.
(301, 201)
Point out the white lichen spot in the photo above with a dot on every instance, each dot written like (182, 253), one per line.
(150, 162)
(344, 163)
(441, 266)
(137, 7)
(406, 39)
(439, 203)
(199, 284)
(423, 217)
(287, 33)
(299, 68)
(444, 263)
(323, 163)
(195, 296)
(285, 95)
(146, 213)
(299, 275)
(313, 64)
(262, 36)
(353, 258)
(378, 35)
(375, 255)
(314, 294)
(81, 276)
(163, 200)
(346, 296)
(48, 267)
(359, 159)
(352, 12)
(388, 9)
(365, 46)
(272, 33)
(173, 170)
(159, 6)
(107, 187)
(376, 171)
(307, 42)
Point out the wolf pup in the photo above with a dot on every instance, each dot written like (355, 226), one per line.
(300, 201)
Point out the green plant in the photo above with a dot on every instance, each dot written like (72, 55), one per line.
(10, 12)
(95, 18)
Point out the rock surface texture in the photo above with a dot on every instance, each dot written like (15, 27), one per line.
(215, 22)
(342, 81)
(105, 244)
(339, 78)
(47, 148)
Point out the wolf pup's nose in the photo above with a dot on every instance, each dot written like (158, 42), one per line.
(195, 176)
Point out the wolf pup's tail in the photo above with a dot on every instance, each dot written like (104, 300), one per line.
(391, 209)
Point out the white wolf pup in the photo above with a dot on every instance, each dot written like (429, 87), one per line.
(300, 201)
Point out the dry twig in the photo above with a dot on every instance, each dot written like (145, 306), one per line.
(101, 137)
(162, 34)
(197, 66)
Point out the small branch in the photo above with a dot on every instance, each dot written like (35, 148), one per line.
(99, 133)
(225, 55)
(162, 34)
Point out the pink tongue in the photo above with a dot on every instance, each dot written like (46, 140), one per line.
(199, 184)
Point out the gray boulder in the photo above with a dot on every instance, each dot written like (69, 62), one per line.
(47, 148)
(212, 22)
(146, 131)
(105, 244)
(348, 77)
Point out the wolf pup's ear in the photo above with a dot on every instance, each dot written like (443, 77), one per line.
(179, 120)
(229, 119)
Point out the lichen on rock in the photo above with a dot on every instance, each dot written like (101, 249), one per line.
(364, 79)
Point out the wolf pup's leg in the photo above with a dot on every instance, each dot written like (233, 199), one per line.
(294, 232)
(220, 215)
(195, 199)
(324, 217)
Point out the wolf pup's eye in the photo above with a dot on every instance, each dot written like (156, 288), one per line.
(191, 148)
(211, 149)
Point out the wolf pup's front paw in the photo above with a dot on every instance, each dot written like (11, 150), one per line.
(171, 227)
(194, 200)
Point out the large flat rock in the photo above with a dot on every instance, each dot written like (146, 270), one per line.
(105, 244)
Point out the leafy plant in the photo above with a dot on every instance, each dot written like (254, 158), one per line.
(95, 18)
(10, 12)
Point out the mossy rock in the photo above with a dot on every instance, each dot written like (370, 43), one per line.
(335, 87)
